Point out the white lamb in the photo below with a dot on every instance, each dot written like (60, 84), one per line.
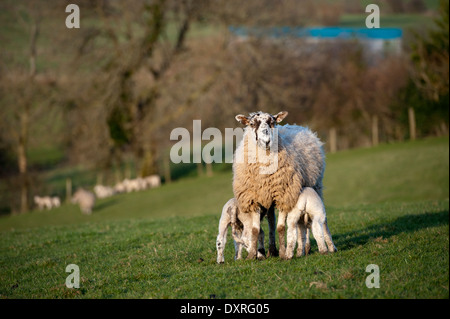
(308, 210)
(241, 226)
(43, 202)
(85, 199)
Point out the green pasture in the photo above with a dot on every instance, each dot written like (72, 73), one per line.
(386, 206)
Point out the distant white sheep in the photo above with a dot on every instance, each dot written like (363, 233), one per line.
(85, 199)
(138, 184)
(46, 202)
(119, 188)
(43, 202)
(152, 181)
(56, 202)
(103, 191)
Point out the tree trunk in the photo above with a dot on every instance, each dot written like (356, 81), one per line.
(23, 134)
(22, 161)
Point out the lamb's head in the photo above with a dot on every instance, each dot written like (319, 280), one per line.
(261, 126)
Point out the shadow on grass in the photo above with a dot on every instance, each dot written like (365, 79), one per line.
(404, 224)
(105, 204)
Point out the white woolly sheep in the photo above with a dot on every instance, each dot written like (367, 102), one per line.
(85, 199)
(103, 191)
(152, 181)
(308, 210)
(43, 202)
(240, 224)
(56, 202)
(271, 166)
(119, 188)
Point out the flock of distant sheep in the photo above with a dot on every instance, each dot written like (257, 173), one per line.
(86, 199)
(276, 167)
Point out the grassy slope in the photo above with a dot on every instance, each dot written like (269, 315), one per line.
(147, 244)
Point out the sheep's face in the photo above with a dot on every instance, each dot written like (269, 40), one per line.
(262, 125)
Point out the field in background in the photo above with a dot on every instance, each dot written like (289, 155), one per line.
(386, 205)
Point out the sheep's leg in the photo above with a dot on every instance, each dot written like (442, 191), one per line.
(252, 250)
(326, 232)
(317, 229)
(281, 233)
(261, 251)
(273, 251)
(292, 234)
(301, 240)
(222, 238)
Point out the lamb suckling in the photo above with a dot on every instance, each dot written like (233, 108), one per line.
(240, 226)
(308, 210)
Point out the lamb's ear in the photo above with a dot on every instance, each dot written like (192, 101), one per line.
(242, 119)
(280, 116)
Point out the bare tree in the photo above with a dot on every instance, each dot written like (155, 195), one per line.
(24, 96)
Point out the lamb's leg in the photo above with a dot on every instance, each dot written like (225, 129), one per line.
(328, 239)
(273, 251)
(301, 240)
(238, 246)
(252, 250)
(292, 234)
(281, 233)
(317, 229)
(307, 241)
(222, 238)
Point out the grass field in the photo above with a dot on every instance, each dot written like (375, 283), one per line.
(386, 206)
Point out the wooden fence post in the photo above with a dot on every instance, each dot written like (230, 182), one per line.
(68, 190)
(375, 139)
(167, 175)
(412, 123)
(333, 140)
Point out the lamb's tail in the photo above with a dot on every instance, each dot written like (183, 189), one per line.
(234, 229)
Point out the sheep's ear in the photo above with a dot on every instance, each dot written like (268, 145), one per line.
(280, 116)
(242, 119)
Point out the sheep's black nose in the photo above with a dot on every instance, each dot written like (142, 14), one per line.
(265, 131)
